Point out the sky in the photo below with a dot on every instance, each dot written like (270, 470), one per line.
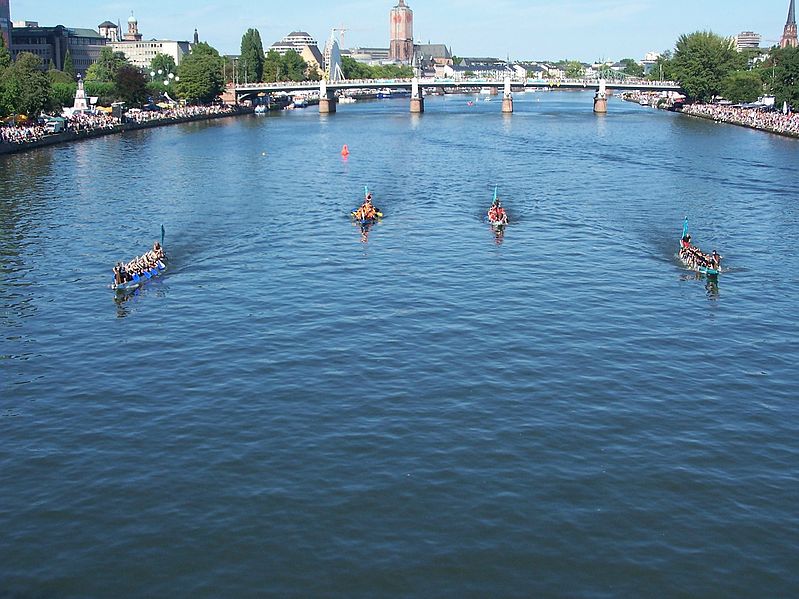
(586, 30)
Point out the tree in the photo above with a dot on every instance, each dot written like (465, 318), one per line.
(785, 76)
(293, 67)
(5, 55)
(391, 71)
(574, 69)
(105, 92)
(131, 85)
(632, 68)
(56, 76)
(62, 94)
(352, 69)
(164, 63)
(204, 49)
(200, 74)
(313, 74)
(701, 62)
(742, 86)
(271, 66)
(663, 69)
(69, 66)
(251, 63)
(26, 88)
(106, 67)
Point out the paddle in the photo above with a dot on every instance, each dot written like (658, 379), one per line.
(162, 235)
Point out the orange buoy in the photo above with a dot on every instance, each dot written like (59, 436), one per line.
(345, 151)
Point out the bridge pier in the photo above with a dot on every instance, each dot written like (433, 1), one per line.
(328, 103)
(507, 98)
(327, 100)
(601, 99)
(417, 98)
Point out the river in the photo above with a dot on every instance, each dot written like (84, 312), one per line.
(302, 409)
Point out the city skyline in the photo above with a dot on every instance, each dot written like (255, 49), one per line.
(531, 29)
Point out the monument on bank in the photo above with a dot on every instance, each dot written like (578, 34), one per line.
(81, 104)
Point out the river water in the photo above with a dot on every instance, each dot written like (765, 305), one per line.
(302, 409)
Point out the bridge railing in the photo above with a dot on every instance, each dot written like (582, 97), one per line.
(436, 82)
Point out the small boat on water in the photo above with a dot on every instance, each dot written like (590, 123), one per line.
(300, 102)
(497, 216)
(358, 216)
(260, 109)
(347, 100)
(129, 281)
(692, 257)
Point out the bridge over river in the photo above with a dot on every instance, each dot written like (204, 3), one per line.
(328, 89)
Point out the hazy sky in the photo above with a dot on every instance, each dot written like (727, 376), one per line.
(523, 29)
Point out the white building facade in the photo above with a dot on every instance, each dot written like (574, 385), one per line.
(141, 54)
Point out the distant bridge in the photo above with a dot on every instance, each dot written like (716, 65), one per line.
(328, 89)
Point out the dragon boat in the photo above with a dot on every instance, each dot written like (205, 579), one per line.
(685, 254)
(497, 223)
(365, 222)
(139, 279)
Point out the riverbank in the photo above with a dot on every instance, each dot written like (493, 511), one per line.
(73, 136)
(750, 118)
(770, 122)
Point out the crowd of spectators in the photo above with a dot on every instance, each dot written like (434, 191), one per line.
(170, 114)
(773, 121)
(21, 133)
(85, 121)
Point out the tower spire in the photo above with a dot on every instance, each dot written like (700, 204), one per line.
(789, 37)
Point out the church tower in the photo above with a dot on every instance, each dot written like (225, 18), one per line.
(401, 48)
(133, 34)
(789, 35)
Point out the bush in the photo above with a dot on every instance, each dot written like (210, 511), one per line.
(106, 92)
(62, 95)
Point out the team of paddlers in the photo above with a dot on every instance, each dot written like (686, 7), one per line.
(124, 273)
(497, 214)
(367, 211)
(696, 258)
